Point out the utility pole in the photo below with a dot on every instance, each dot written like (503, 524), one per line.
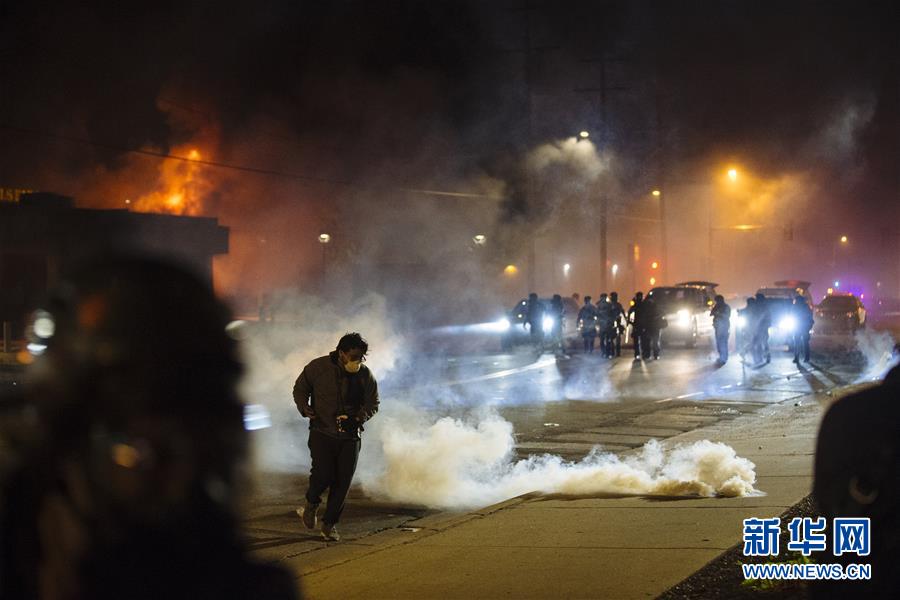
(603, 198)
(530, 51)
(663, 189)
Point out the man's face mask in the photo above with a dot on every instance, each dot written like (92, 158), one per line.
(353, 361)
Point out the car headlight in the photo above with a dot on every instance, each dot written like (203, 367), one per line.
(741, 322)
(548, 324)
(787, 323)
(502, 324)
(684, 317)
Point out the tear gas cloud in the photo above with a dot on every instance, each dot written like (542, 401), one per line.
(435, 446)
(877, 349)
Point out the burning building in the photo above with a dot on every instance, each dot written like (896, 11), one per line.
(42, 232)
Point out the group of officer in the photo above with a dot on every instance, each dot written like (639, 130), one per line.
(608, 319)
(757, 319)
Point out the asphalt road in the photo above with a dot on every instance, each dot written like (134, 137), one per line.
(562, 405)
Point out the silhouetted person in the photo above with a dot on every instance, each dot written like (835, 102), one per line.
(604, 323)
(130, 487)
(803, 318)
(587, 316)
(534, 319)
(337, 393)
(654, 323)
(721, 314)
(557, 313)
(619, 316)
(762, 328)
(857, 474)
(636, 314)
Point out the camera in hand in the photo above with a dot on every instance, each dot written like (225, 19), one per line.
(347, 424)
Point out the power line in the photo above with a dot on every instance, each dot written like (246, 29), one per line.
(167, 156)
(231, 166)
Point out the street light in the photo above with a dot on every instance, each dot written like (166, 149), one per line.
(479, 240)
(584, 135)
(656, 193)
(843, 239)
(324, 239)
(732, 174)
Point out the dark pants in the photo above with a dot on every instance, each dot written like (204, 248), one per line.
(333, 465)
(722, 343)
(650, 343)
(801, 344)
(588, 343)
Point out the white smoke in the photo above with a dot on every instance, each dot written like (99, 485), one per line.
(579, 155)
(876, 348)
(452, 463)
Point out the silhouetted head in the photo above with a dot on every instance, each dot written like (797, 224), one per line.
(137, 392)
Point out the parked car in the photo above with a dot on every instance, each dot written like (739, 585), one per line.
(839, 313)
(686, 309)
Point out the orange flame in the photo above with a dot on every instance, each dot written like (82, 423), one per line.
(182, 187)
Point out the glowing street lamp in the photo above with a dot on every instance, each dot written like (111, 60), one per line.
(324, 238)
(479, 239)
(510, 270)
(843, 239)
(566, 268)
(656, 193)
(732, 174)
(584, 134)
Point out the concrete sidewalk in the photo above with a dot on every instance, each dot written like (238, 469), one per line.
(577, 547)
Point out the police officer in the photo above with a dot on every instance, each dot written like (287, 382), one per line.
(604, 320)
(721, 314)
(804, 323)
(654, 322)
(618, 316)
(762, 327)
(557, 313)
(636, 317)
(587, 317)
(534, 319)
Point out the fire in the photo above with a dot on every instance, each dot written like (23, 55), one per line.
(181, 187)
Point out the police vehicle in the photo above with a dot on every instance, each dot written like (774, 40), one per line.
(686, 308)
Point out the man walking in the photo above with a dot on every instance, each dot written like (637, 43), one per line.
(337, 393)
(721, 314)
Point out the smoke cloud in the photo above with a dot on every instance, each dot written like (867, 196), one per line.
(446, 447)
(455, 464)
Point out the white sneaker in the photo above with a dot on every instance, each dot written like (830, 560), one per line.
(330, 533)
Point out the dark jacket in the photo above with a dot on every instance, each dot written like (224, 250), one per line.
(721, 314)
(324, 385)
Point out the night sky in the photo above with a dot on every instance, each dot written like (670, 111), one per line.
(437, 94)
